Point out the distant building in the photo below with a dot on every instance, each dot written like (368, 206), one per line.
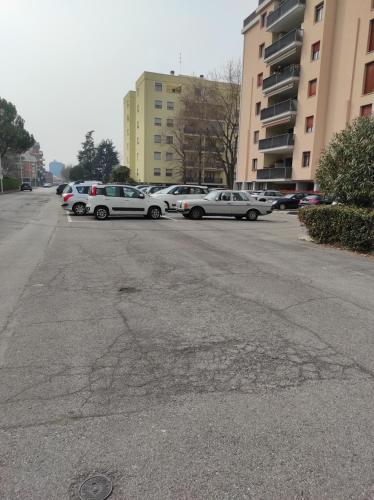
(150, 116)
(55, 167)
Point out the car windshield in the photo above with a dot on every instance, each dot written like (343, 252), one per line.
(165, 190)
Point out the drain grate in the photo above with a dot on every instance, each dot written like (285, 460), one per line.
(96, 488)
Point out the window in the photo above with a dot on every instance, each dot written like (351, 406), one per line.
(263, 19)
(309, 124)
(366, 110)
(169, 172)
(180, 190)
(157, 139)
(318, 13)
(312, 87)
(316, 51)
(259, 79)
(158, 87)
(169, 156)
(258, 108)
(196, 190)
(169, 139)
(157, 172)
(369, 78)
(83, 189)
(371, 36)
(158, 104)
(129, 192)
(114, 191)
(254, 164)
(158, 122)
(306, 158)
(170, 122)
(256, 136)
(261, 50)
(170, 105)
(157, 155)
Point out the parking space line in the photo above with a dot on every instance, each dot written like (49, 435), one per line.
(169, 218)
(69, 218)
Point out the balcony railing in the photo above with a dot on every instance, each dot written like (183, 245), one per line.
(289, 106)
(282, 10)
(278, 141)
(292, 71)
(291, 37)
(274, 173)
(250, 18)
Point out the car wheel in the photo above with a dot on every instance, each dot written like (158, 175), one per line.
(79, 209)
(282, 206)
(238, 217)
(196, 213)
(154, 213)
(101, 213)
(252, 215)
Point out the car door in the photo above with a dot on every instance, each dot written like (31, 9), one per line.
(222, 204)
(113, 199)
(239, 203)
(133, 201)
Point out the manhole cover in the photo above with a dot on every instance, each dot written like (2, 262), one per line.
(95, 488)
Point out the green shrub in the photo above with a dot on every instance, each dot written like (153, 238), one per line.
(349, 227)
(10, 183)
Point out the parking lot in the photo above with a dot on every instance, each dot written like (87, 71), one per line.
(185, 359)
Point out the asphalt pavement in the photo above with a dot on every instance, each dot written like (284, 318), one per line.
(185, 360)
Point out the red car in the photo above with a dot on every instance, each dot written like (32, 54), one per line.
(314, 199)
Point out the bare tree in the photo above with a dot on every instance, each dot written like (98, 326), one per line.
(224, 122)
(206, 129)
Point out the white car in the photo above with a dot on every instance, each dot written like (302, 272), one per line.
(172, 194)
(268, 195)
(229, 203)
(113, 199)
(74, 196)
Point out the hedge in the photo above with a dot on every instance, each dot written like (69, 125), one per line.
(346, 226)
(10, 183)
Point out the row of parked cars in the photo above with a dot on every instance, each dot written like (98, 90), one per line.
(195, 202)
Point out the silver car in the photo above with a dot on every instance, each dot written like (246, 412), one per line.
(75, 195)
(229, 203)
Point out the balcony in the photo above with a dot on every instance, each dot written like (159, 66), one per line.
(290, 14)
(285, 110)
(282, 81)
(276, 173)
(278, 144)
(286, 50)
(249, 19)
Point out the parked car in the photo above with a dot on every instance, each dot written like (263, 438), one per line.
(60, 188)
(289, 201)
(47, 184)
(104, 201)
(237, 204)
(268, 195)
(25, 186)
(152, 189)
(315, 199)
(172, 194)
(74, 196)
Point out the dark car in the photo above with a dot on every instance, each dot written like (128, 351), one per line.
(60, 188)
(315, 199)
(25, 186)
(289, 201)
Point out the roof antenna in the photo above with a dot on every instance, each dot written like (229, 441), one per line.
(180, 63)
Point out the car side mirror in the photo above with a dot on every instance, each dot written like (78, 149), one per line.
(217, 198)
(141, 195)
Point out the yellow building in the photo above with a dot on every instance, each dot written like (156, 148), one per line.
(150, 115)
(308, 70)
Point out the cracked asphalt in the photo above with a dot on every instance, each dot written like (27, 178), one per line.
(187, 360)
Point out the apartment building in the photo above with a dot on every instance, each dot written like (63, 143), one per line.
(308, 70)
(150, 116)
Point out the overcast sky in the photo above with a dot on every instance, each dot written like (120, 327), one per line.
(66, 64)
